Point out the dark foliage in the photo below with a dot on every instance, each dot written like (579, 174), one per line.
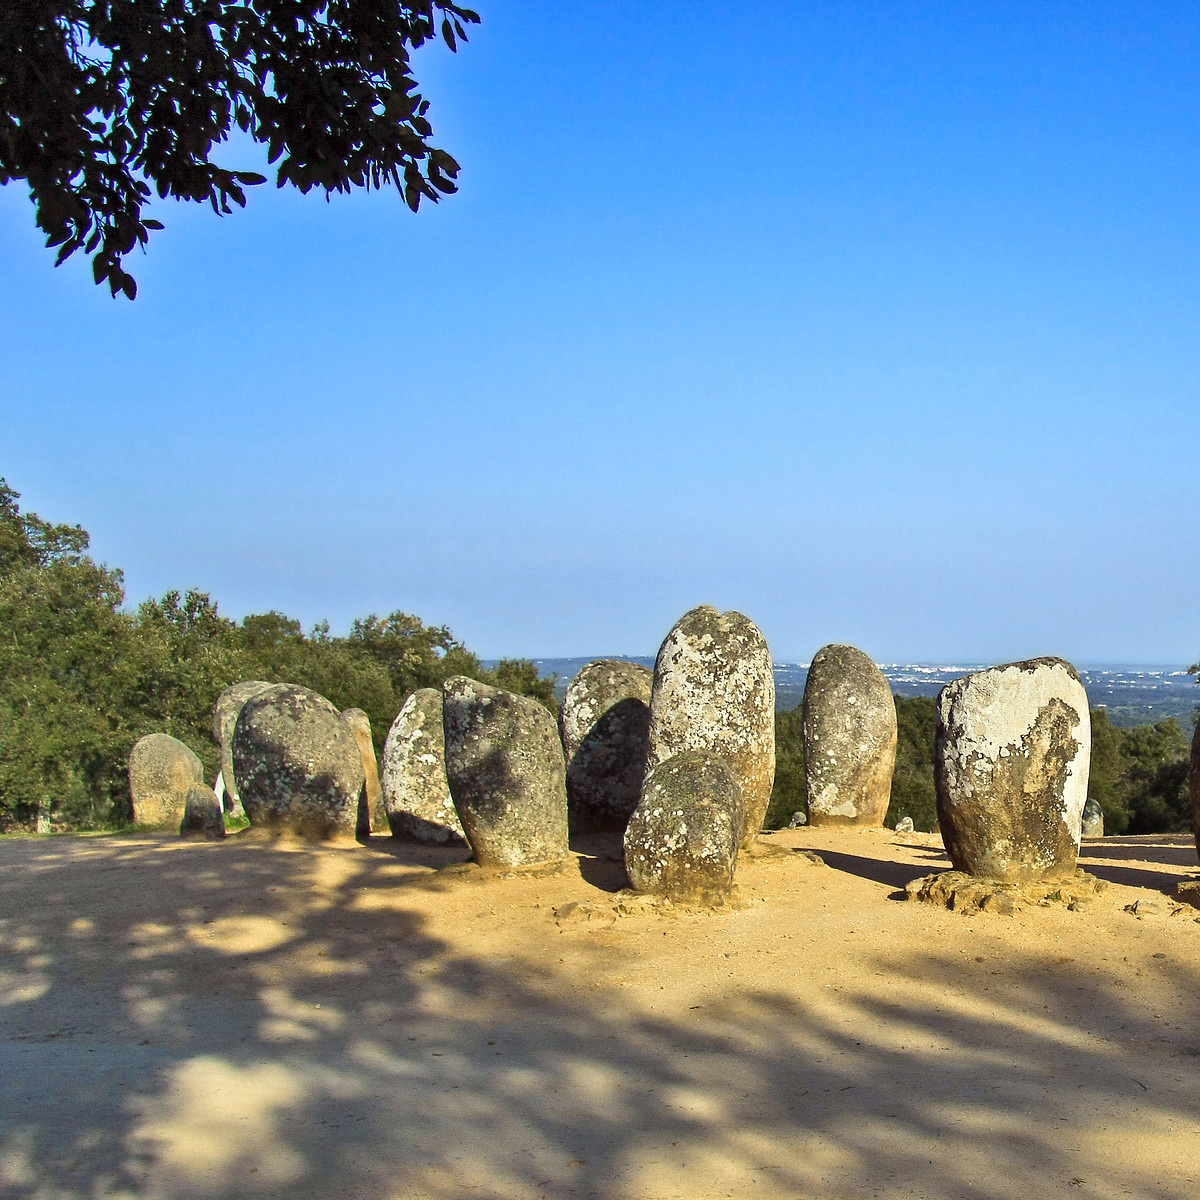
(107, 102)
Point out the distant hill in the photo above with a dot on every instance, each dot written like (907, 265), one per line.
(1133, 694)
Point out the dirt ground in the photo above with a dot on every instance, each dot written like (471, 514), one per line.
(249, 1019)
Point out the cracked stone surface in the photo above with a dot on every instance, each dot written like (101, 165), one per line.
(605, 726)
(297, 763)
(1012, 753)
(507, 774)
(849, 738)
(714, 692)
(416, 792)
(682, 840)
(161, 769)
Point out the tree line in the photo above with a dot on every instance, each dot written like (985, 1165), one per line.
(82, 678)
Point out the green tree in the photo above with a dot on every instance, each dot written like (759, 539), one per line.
(789, 793)
(913, 791)
(105, 102)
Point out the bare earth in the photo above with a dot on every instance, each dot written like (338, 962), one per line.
(251, 1019)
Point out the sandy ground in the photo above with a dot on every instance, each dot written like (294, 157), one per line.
(247, 1020)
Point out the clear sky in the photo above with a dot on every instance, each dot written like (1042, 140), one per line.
(876, 321)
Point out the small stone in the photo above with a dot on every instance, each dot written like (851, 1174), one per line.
(714, 692)
(505, 766)
(225, 714)
(297, 764)
(1093, 820)
(161, 769)
(904, 825)
(682, 840)
(1188, 892)
(605, 725)
(416, 792)
(370, 810)
(1145, 908)
(203, 817)
(849, 724)
(798, 819)
(1011, 768)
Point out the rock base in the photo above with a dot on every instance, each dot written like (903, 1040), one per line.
(1188, 892)
(967, 893)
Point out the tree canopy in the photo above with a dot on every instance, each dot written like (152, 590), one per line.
(105, 102)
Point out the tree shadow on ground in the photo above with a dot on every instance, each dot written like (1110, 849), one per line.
(256, 1020)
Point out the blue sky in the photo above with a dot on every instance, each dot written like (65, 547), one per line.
(876, 321)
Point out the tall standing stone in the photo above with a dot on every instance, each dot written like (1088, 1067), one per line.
(161, 769)
(605, 725)
(416, 792)
(504, 761)
(682, 840)
(1011, 760)
(849, 739)
(225, 715)
(714, 691)
(297, 764)
(371, 815)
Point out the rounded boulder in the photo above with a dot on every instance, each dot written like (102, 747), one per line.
(225, 714)
(682, 840)
(416, 792)
(714, 692)
(505, 766)
(605, 725)
(161, 769)
(1011, 760)
(849, 729)
(203, 817)
(297, 764)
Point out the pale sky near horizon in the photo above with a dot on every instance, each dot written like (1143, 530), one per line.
(875, 321)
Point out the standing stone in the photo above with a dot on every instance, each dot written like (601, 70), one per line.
(161, 769)
(504, 761)
(682, 840)
(605, 725)
(1011, 761)
(370, 809)
(849, 739)
(1093, 819)
(714, 691)
(203, 817)
(416, 792)
(297, 764)
(225, 715)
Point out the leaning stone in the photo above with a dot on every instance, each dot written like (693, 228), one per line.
(203, 818)
(225, 714)
(849, 739)
(605, 726)
(1093, 820)
(416, 793)
(682, 840)
(161, 769)
(297, 764)
(504, 762)
(714, 692)
(1011, 768)
(370, 808)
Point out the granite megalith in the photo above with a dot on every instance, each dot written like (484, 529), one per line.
(225, 714)
(416, 793)
(370, 809)
(203, 816)
(605, 725)
(1093, 819)
(505, 766)
(849, 725)
(683, 838)
(1011, 761)
(161, 769)
(714, 691)
(297, 764)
